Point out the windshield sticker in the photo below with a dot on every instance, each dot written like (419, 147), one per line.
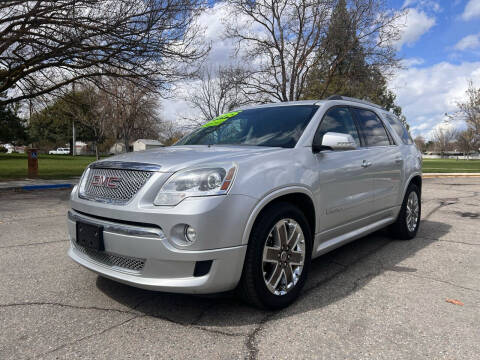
(222, 118)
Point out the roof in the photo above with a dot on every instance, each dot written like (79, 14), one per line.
(314, 102)
(286, 103)
(355, 100)
(149, 142)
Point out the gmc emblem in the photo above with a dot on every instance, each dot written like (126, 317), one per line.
(106, 181)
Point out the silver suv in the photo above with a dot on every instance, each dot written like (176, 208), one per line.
(248, 199)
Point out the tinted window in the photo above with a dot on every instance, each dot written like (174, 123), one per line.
(399, 129)
(372, 128)
(337, 120)
(279, 126)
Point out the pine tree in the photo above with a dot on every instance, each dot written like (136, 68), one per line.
(343, 68)
(12, 128)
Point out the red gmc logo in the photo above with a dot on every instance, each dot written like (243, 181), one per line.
(106, 181)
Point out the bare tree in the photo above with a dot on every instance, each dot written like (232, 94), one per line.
(51, 43)
(131, 110)
(420, 143)
(219, 90)
(467, 141)
(284, 40)
(87, 106)
(444, 137)
(170, 133)
(470, 111)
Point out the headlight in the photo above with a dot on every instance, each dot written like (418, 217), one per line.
(83, 181)
(196, 182)
(74, 190)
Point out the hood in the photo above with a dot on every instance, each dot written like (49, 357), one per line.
(174, 158)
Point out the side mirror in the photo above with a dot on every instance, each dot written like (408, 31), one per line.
(334, 141)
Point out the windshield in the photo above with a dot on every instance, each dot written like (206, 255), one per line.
(279, 126)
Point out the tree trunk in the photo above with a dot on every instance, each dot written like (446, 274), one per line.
(96, 150)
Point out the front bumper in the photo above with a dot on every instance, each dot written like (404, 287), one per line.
(142, 256)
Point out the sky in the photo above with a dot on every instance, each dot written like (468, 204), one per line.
(439, 48)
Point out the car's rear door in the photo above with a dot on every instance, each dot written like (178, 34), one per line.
(385, 157)
(345, 182)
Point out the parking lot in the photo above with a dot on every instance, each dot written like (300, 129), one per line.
(375, 298)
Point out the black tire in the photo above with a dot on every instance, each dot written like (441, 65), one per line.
(399, 228)
(252, 287)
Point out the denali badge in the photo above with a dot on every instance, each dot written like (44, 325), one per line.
(106, 181)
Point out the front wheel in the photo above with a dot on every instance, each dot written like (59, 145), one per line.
(408, 221)
(278, 258)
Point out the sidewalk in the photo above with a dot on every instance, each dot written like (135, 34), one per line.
(37, 184)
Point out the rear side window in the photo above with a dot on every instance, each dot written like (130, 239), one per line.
(338, 119)
(372, 128)
(399, 129)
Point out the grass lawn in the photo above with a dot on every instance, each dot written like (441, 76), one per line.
(451, 166)
(14, 166)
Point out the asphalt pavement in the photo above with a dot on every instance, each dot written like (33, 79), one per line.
(375, 298)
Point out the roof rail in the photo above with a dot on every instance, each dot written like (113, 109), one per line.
(341, 97)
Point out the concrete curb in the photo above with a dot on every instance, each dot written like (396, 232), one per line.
(449, 175)
(37, 187)
(37, 184)
(44, 187)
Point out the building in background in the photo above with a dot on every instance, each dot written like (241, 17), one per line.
(117, 148)
(13, 149)
(82, 148)
(146, 144)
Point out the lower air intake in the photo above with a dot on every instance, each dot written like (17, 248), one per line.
(123, 262)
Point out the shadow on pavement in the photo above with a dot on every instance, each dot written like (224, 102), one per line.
(339, 273)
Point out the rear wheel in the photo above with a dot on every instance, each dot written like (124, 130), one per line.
(277, 259)
(408, 220)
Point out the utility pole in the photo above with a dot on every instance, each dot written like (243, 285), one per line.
(74, 141)
(74, 149)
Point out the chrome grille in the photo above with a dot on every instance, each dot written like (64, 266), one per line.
(123, 262)
(129, 183)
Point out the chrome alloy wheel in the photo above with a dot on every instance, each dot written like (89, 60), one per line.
(413, 211)
(283, 256)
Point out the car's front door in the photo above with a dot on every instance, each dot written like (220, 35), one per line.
(344, 190)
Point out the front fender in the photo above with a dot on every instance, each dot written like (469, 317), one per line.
(267, 199)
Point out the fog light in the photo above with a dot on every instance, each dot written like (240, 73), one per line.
(190, 234)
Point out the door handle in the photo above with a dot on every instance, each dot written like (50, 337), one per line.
(366, 163)
(398, 160)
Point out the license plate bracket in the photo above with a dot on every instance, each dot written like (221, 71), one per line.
(90, 236)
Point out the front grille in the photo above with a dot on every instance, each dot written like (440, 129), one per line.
(127, 184)
(124, 262)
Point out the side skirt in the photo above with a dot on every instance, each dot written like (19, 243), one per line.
(325, 243)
